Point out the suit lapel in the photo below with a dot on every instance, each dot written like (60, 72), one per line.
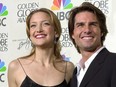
(73, 82)
(94, 67)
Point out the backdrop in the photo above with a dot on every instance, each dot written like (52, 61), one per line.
(13, 39)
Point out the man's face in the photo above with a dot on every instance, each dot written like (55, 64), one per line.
(87, 33)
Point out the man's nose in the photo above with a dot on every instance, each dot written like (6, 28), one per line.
(87, 29)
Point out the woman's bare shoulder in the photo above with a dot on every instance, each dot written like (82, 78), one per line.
(13, 65)
(70, 66)
(69, 70)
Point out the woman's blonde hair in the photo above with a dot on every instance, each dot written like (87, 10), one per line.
(56, 24)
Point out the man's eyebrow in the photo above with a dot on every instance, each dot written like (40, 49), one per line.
(94, 22)
(79, 23)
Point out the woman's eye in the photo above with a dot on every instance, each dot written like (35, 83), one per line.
(46, 23)
(32, 26)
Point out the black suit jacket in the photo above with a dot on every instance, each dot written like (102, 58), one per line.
(101, 72)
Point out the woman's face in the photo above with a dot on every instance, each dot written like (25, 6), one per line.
(42, 32)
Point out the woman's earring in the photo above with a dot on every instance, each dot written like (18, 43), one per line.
(56, 39)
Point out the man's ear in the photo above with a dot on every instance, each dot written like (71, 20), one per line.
(72, 36)
(102, 34)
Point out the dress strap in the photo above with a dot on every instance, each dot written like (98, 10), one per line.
(22, 66)
(65, 70)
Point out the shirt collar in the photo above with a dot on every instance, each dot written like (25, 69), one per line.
(88, 62)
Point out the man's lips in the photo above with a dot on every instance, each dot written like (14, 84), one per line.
(87, 37)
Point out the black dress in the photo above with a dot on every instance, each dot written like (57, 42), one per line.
(28, 82)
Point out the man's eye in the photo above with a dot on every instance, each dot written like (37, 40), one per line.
(78, 25)
(94, 24)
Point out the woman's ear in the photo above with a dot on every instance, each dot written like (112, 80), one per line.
(56, 38)
(56, 35)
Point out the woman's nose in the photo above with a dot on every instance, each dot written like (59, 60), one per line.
(39, 28)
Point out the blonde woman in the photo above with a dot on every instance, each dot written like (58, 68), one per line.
(44, 66)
